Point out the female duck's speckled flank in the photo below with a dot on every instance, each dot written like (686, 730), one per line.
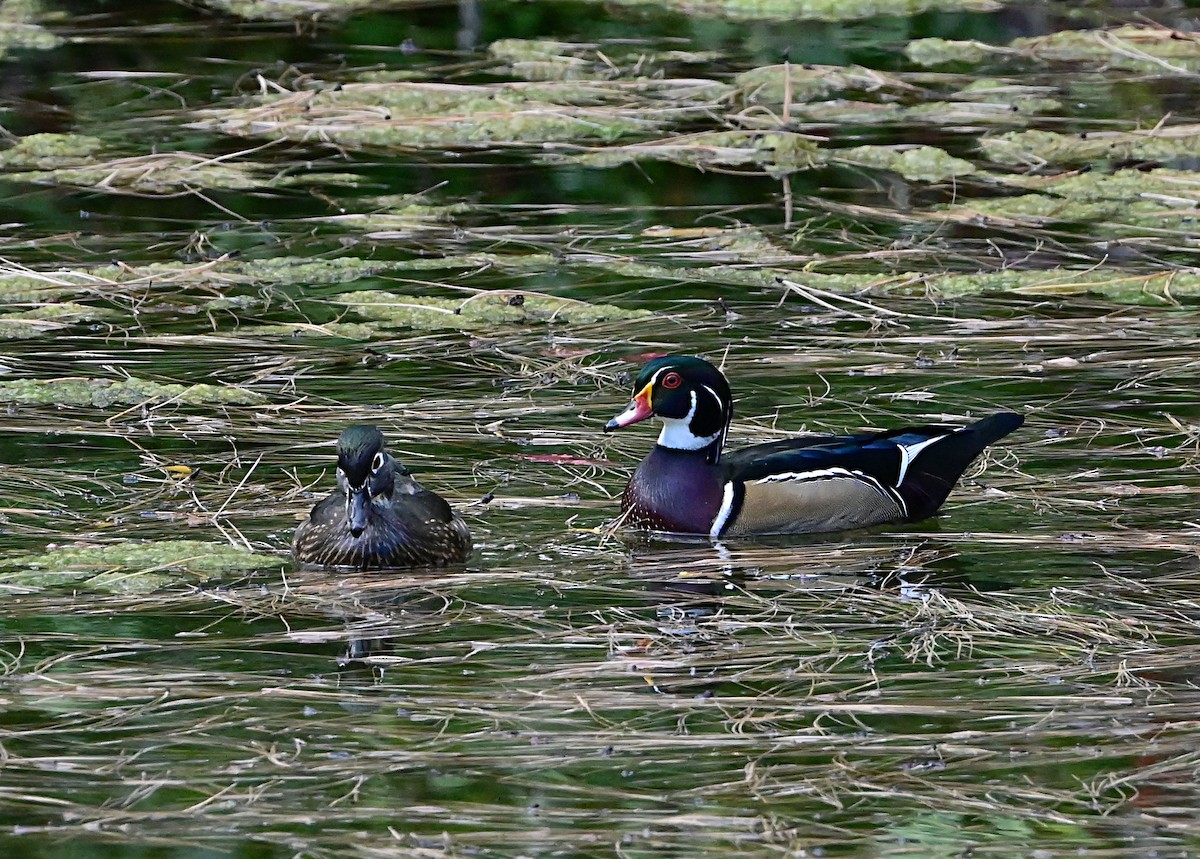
(800, 485)
(379, 516)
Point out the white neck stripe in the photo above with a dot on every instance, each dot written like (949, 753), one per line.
(677, 432)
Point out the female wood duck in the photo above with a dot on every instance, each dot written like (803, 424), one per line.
(379, 516)
(800, 485)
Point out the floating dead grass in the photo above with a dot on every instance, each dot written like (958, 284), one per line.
(949, 710)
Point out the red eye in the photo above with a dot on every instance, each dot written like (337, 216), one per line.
(671, 381)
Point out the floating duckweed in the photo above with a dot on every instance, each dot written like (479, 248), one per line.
(1038, 148)
(937, 52)
(1156, 289)
(918, 164)
(775, 152)
(15, 328)
(506, 262)
(406, 206)
(819, 10)
(292, 270)
(398, 213)
(531, 49)
(276, 271)
(941, 113)
(286, 10)
(102, 393)
(987, 100)
(1017, 98)
(1111, 204)
(769, 84)
(49, 151)
(35, 321)
(130, 567)
(481, 311)
(717, 274)
(1161, 288)
(978, 111)
(1132, 47)
(1033, 210)
(343, 330)
(231, 303)
(18, 30)
(779, 153)
(417, 115)
(78, 160)
(1174, 186)
(66, 311)
(743, 240)
(28, 287)
(24, 286)
(1137, 48)
(844, 111)
(546, 60)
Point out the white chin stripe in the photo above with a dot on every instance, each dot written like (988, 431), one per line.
(677, 432)
(676, 435)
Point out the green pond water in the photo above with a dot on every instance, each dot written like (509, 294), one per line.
(230, 231)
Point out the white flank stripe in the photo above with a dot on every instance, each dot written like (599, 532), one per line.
(837, 473)
(814, 475)
(723, 514)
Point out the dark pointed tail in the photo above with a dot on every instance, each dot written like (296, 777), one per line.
(937, 468)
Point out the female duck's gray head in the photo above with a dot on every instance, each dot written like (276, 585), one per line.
(365, 471)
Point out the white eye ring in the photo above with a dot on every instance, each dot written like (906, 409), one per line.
(377, 462)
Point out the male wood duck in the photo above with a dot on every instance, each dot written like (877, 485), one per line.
(801, 485)
(379, 516)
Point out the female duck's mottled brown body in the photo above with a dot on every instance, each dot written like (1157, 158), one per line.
(807, 484)
(379, 517)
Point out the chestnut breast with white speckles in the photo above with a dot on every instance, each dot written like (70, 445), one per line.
(416, 529)
(673, 490)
